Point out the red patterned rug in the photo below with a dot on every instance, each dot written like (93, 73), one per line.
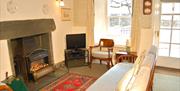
(70, 82)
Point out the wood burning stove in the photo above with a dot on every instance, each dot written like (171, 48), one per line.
(38, 64)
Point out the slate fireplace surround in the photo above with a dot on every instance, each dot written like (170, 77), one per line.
(30, 45)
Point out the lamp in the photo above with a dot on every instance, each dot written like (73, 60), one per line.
(60, 3)
(147, 7)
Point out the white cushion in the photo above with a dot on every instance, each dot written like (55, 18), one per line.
(101, 54)
(109, 80)
(138, 63)
(149, 60)
(123, 83)
(141, 80)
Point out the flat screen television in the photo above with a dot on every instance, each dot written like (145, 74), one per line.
(75, 41)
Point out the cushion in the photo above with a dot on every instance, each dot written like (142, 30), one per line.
(18, 85)
(123, 83)
(109, 80)
(141, 81)
(128, 80)
(101, 54)
(138, 62)
(148, 61)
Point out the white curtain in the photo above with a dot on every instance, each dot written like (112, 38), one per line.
(90, 22)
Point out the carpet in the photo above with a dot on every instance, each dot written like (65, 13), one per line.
(163, 82)
(70, 82)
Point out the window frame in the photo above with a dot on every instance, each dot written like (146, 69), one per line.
(170, 43)
(129, 29)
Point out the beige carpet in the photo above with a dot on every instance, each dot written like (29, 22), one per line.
(96, 70)
(163, 82)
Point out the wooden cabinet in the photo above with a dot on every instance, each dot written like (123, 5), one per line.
(75, 58)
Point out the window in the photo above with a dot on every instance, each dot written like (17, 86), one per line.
(119, 20)
(118, 26)
(169, 43)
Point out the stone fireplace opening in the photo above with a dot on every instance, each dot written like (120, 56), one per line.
(30, 51)
(32, 55)
(37, 60)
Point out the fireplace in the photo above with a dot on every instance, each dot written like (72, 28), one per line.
(32, 55)
(30, 46)
(37, 62)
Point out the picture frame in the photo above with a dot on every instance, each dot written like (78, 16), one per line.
(65, 14)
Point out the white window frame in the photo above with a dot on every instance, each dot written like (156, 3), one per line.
(123, 31)
(171, 30)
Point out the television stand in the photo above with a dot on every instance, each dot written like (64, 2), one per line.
(76, 57)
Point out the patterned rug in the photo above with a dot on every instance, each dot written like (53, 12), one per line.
(70, 82)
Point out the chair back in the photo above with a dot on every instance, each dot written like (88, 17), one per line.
(128, 57)
(106, 43)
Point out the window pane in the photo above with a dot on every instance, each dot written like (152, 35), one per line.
(176, 21)
(166, 8)
(125, 6)
(164, 35)
(125, 22)
(166, 21)
(164, 49)
(119, 21)
(176, 36)
(176, 7)
(175, 51)
(114, 21)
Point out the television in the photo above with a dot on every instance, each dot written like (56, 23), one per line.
(75, 41)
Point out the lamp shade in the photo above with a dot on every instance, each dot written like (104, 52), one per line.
(61, 3)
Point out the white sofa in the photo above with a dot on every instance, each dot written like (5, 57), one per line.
(142, 80)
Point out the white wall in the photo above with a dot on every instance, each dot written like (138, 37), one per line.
(35, 9)
(4, 60)
(80, 12)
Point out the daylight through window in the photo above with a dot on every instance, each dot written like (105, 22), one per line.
(169, 43)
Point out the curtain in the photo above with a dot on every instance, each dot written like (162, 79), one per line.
(90, 22)
(135, 32)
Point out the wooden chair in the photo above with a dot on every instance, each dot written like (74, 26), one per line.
(127, 57)
(103, 51)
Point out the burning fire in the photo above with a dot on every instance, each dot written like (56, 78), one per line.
(37, 66)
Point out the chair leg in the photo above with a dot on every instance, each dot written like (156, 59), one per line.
(108, 65)
(100, 61)
(112, 64)
(90, 63)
